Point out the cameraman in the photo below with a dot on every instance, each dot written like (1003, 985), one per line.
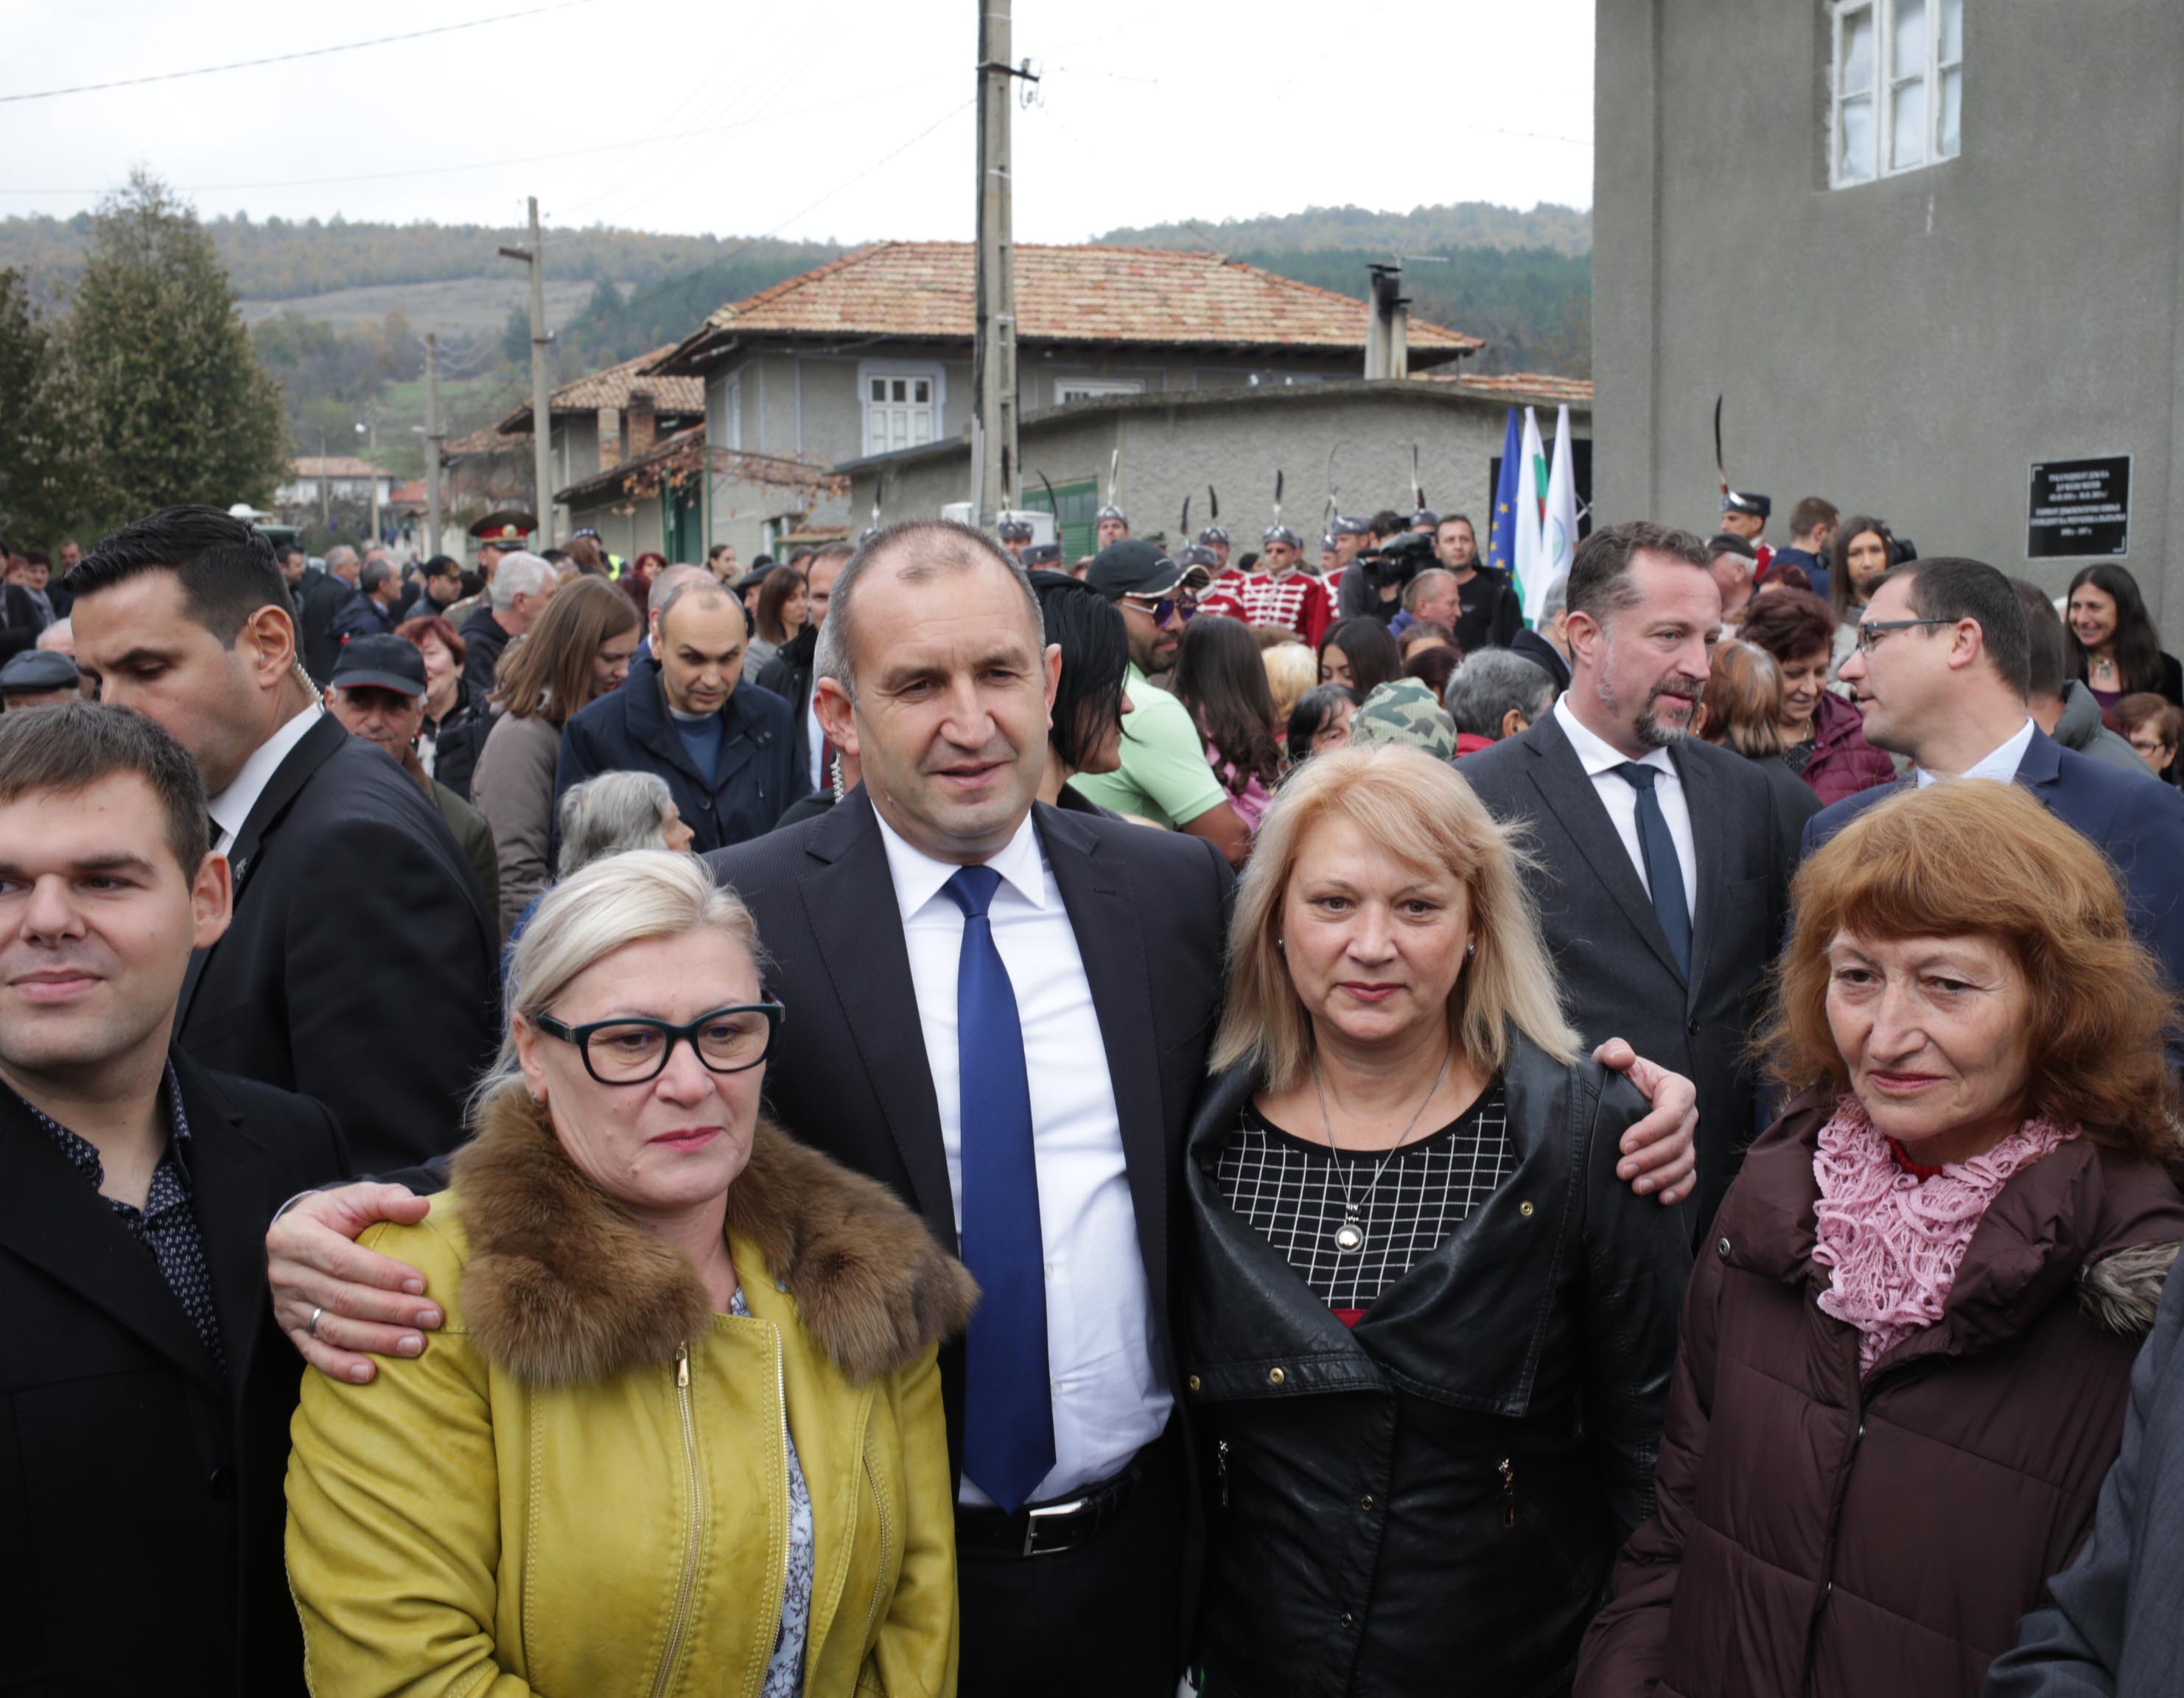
(1387, 570)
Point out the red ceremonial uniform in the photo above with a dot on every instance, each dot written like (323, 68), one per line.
(1297, 600)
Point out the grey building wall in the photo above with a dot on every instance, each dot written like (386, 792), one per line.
(626, 533)
(791, 402)
(1907, 347)
(1177, 443)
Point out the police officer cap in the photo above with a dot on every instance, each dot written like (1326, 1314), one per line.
(1042, 553)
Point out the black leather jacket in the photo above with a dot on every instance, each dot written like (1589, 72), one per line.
(1430, 1503)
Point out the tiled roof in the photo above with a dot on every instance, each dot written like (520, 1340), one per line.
(924, 290)
(609, 390)
(488, 441)
(335, 466)
(1537, 386)
(410, 492)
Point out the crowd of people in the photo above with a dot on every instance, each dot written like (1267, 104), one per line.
(922, 1119)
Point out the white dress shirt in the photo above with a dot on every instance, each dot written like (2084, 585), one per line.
(1600, 760)
(232, 806)
(1109, 1400)
(2001, 765)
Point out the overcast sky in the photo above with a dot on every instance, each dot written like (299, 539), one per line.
(799, 119)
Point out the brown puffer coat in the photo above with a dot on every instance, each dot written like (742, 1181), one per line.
(1817, 1537)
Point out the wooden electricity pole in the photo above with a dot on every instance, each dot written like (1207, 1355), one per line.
(993, 361)
(434, 436)
(542, 416)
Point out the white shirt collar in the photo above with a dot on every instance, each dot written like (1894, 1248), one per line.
(1597, 756)
(2001, 765)
(918, 878)
(232, 806)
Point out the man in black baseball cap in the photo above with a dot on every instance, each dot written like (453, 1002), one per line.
(377, 693)
(1164, 776)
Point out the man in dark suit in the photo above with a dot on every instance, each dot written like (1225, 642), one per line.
(319, 600)
(351, 897)
(790, 673)
(1662, 878)
(1002, 1011)
(1943, 668)
(144, 1391)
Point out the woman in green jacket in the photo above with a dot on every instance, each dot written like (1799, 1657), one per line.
(682, 1428)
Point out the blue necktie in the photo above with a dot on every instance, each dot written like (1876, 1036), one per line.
(1664, 873)
(1008, 1418)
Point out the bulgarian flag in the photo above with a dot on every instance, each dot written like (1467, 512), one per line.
(1530, 561)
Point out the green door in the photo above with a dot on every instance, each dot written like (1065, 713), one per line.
(686, 527)
(1073, 507)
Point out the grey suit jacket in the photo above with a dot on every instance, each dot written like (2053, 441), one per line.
(2114, 1621)
(1619, 976)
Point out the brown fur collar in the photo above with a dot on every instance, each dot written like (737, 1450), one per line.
(2120, 1292)
(564, 1288)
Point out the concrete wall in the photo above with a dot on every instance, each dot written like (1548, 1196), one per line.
(627, 534)
(790, 402)
(1236, 439)
(1907, 347)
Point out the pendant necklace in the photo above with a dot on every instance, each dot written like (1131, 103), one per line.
(1350, 1236)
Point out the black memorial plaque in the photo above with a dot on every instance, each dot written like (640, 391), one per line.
(2079, 507)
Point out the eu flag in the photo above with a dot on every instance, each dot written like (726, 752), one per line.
(1501, 553)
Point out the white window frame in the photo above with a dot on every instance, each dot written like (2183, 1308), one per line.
(1881, 94)
(726, 429)
(1067, 390)
(869, 370)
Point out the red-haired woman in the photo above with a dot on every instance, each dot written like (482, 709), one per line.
(1824, 735)
(1906, 1351)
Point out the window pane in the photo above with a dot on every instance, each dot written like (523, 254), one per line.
(920, 426)
(1910, 41)
(1953, 31)
(1855, 162)
(1857, 53)
(901, 390)
(1908, 144)
(879, 389)
(924, 392)
(1952, 100)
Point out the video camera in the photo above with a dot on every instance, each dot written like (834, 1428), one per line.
(1397, 561)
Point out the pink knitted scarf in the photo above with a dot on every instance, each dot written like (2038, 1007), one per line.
(1893, 1242)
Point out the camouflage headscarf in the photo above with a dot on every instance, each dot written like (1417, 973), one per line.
(1405, 710)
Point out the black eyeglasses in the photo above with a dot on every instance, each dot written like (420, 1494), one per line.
(1870, 632)
(633, 1049)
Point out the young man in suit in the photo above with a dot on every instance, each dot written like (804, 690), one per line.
(1942, 669)
(999, 1010)
(349, 888)
(1663, 878)
(144, 1391)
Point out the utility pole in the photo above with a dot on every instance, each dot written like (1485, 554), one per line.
(372, 458)
(993, 361)
(434, 436)
(326, 483)
(542, 416)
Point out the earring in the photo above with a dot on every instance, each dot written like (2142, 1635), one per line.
(1278, 944)
(1470, 950)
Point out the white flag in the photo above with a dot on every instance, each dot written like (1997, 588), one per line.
(1530, 558)
(1559, 533)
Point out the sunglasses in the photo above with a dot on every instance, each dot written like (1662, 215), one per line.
(1166, 607)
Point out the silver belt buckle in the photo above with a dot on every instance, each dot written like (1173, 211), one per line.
(1032, 1519)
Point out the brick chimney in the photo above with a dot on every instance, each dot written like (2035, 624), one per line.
(642, 427)
(610, 437)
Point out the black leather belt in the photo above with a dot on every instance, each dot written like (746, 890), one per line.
(1046, 1529)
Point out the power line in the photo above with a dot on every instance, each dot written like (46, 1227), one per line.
(492, 164)
(289, 59)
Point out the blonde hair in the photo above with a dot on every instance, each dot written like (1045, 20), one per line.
(1424, 813)
(619, 900)
(1291, 669)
